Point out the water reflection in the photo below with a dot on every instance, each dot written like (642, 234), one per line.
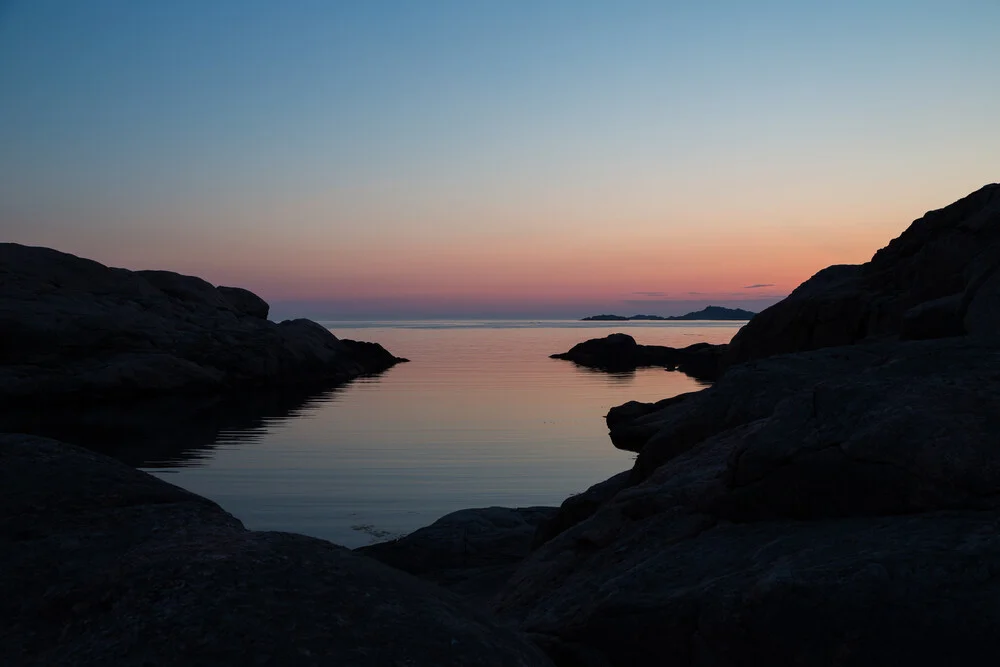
(174, 431)
(618, 376)
(614, 377)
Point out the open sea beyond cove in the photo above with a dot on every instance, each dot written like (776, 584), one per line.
(480, 416)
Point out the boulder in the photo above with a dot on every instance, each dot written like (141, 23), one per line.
(578, 507)
(915, 434)
(471, 552)
(909, 288)
(72, 328)
(244, 301)
(106, 565)
(937, 318)
(982, 313)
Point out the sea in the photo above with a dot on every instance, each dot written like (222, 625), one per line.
(480, 416)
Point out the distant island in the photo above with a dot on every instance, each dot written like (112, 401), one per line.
(708, 313)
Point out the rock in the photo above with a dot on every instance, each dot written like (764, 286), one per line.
(936, 263)
(744, 394)
(614, 352)
(916, 434)
(103, 564)
(628, 430)
(982, 314)
(578, 507)
(372, 356)
(807, 509)
(619, 352)
(938, 318)
(72, 328)
(471, 552)
(244, 301)
(915, 590)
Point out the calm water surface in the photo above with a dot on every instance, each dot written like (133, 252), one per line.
(480, 416)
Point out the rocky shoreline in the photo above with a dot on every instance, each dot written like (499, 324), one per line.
(106, 565)
(830, 500)
(74, 329)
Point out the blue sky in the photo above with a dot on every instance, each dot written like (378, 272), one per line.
(447, 156)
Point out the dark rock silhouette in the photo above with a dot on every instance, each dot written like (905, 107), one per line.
(105, 565)
(71, 327)
(470, 552)
(619, 352)
(706, 313)
(716, 313)
(244, 301)
(651, 582)
(578, 507)
(938, 278)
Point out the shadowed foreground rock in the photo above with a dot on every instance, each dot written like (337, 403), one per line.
(471, 552)
(71, 327)
(836, 507)
(619, 352)
(105, 565)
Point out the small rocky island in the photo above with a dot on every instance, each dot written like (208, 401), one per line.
(831, 500)
(618, 352)
(707, 313)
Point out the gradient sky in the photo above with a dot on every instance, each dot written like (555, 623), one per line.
(536, 158)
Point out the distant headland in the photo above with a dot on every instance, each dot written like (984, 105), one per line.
(707, 313)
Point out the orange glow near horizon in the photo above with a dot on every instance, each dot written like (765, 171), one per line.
(586, 260)
(690, 263)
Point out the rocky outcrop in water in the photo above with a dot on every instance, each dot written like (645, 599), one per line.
(619, 352)
(72, 328)
(106, 565)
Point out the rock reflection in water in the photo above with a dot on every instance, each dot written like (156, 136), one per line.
(623, 377)
(169, 432)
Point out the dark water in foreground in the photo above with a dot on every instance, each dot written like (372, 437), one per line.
(480, 416)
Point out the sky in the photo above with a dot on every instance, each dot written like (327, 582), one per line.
(486, 158)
